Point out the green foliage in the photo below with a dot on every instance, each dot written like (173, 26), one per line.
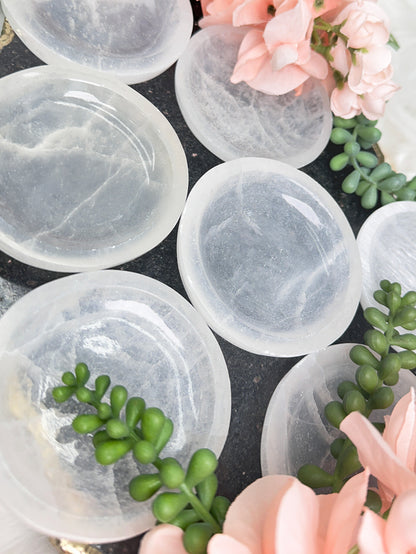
(378, 370)
(370, 179)
(122, 426)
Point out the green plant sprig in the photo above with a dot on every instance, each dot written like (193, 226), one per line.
(370, 179)
(378, 370)
(125, 425)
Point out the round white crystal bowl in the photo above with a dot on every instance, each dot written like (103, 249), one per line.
(143, 335)
(134, 40)
(92, 175)
(268, 258)
(387, 245)
(234, 120)
(295, 431)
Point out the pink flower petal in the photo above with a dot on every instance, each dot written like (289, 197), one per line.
(218, 12)
(252, 46)
(162, 539)
(284, 55)
(342, 58)
(246, 516)
(400, 430)
(345, 516)
(251, 12)
(376, 454)
(292, 523)
(252, 56)
(344, 102)
(326, 504)
(204, 4)
(278, 82)
(400, 535)
(376, 59)
(291, 26)
(372, 108)
(371, 534)
(223, 544)
(316, 66)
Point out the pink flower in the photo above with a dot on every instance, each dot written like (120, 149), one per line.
(390, 457)
(346, 103)
(395, 535)
(279, 515)
(280, 59)
(368, 84)
(366, 24)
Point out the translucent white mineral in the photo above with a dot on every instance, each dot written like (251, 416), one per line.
(92, 174)
(144, 336)
(234, 120)
(133, 39)
(268, 258)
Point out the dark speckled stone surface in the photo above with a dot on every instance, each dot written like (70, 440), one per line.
(253, 378)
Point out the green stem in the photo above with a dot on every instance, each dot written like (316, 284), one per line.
(353, 550)
(199, 508)
(338, 481)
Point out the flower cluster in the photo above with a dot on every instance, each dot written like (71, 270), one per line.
(278, 514)
(344, 43)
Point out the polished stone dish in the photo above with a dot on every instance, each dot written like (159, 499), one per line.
(92, 175)
(295, 431)
(234, 120)
(268, 258)
(144, 336)
(387, 245)
(135, 40)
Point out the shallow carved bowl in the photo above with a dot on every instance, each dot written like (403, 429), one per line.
(92, 174)
(146, 337)
(268, 258)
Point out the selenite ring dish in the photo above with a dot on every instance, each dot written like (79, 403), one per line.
(92, 175)
(295, 431)
(146, 337)
(268, 258)
(134, 40)
(235, 120)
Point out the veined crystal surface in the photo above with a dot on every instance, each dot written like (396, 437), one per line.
(268, 258)
(146, 337)
(234, 120)
(92, 174)
(134, 40)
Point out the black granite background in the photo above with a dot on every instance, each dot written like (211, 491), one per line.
(253, 377)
